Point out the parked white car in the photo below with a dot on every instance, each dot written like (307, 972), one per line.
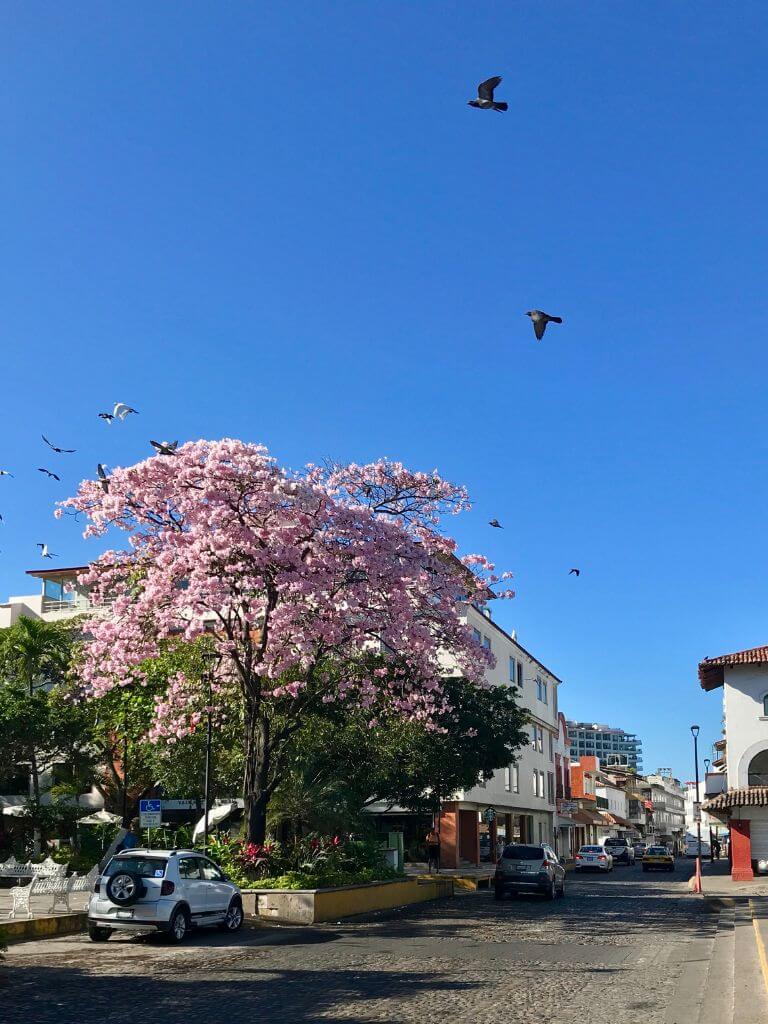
(692, 847)
(167, 890)
(593, 858)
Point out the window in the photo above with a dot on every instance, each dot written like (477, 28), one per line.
(551, 747)
(487, 642)
(189, 867)
(520, 674)
(537, 738)
(765, 705)
(541, 689)
(515, 779)
(210, 872)
(535, 782)
(477, 636)
(512, 670)
(550, 787)
(541, 832)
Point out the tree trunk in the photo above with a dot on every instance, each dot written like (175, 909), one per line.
(256, 773)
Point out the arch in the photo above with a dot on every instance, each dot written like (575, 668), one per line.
(757, 769)
(764, 705)
(742, 770)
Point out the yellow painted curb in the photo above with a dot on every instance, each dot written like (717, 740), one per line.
(43, 927)
(761, 952)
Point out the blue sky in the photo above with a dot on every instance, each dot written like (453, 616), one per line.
(285, 224)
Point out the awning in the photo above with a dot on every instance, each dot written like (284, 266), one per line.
(216, 815)
(587, 818)
(616, 819)
(747, 796)
(101, 817)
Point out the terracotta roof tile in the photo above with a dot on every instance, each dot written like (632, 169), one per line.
(747, 796)
(711, 673)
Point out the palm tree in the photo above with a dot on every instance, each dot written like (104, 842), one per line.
(34, 654)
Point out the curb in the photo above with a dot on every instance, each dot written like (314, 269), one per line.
(760, 925)
(43, 927)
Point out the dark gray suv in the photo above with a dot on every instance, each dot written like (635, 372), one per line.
(526, 867)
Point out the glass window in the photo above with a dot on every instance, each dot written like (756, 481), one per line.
(211, 872)
(477, 636)
(487, 642)
(512, 670)
(146, 867)
(508, 779)
(515, 779)
(551, 747)
(520, 852)
(189, 868)
(765, 704)
(520, 674)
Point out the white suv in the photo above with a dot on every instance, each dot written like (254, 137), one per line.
(169, 890)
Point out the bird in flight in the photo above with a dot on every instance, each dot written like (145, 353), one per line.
(485, 100)
(48, 473)
(61, 451)
(575, 572)
(540, 320)
(495, 523)
(101, 471)
(45, 552)
(106, 416)
(121, 410)
(4, 472)
(165, 447)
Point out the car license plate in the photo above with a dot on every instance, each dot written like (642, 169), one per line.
(124, 914)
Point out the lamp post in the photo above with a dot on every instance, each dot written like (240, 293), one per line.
(695, 734)
(212, 660)
(707, 763)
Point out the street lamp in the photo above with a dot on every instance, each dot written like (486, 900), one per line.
(212, 660)
(695, 734)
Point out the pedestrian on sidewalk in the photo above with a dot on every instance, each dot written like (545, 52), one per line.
(716, 848)
(433, 850)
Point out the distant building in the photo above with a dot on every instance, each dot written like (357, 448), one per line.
(613, 747)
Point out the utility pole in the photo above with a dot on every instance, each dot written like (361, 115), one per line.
(695, 734)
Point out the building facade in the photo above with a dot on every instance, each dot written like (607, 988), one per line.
(611, 746)
(519, 803)
(737, 792)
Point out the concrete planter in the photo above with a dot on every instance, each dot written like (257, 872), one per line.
(311, 906)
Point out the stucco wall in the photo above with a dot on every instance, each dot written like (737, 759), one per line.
(746, 726)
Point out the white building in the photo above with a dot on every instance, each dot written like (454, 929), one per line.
(523, 796)
(738, 792)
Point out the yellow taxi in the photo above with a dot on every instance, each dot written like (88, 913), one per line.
(658, 857)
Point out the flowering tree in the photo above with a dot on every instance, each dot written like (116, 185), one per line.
(328, 585)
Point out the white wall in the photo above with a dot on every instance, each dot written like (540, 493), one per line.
(746, 728)
(542, 714)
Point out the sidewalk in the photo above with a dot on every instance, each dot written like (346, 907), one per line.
(716, 881)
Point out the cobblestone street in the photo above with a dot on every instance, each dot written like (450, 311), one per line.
(620, 943)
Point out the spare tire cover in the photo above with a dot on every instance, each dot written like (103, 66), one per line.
(124, 888)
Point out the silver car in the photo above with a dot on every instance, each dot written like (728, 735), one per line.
(525, 867)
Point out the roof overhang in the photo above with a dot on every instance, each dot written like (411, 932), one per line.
(746, 796)
(712, 670)
(46, 574)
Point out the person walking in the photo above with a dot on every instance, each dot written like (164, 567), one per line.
(716, 848)
(433, 850)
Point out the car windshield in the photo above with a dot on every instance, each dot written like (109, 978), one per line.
(591, 849)
(146, 867)
(616, 842)
(657, 851)
(523, 853)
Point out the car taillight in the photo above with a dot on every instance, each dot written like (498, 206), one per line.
(601, 857)
(167, 887)
(96, 884)
(579, 857)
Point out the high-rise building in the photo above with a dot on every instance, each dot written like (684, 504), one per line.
(612, 746)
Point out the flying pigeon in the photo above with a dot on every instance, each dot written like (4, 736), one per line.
(106, 416)
(4, 472)
(101, 470)
(540, 321)
(485, 100)
(122, 410)
(61, 451)
(575, 572)
(45, 552)
(165, 447)
(49, 473)
(495, 523)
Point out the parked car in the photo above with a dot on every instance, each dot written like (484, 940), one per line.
(692, 847)
(639, 847)
(170, 891)
(529, 868)
(619, 849)
(658, 857)
(593, 858)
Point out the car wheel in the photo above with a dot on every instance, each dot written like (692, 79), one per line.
(97, 934)
(178, 926)
(124, 888)
(233, 922)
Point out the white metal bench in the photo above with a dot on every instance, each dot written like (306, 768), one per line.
(20, 897)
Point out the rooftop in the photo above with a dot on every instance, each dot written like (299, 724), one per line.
(712, 670)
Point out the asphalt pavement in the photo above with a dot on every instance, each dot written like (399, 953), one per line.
(628, 945)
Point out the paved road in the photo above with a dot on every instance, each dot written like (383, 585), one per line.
(616, 946)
